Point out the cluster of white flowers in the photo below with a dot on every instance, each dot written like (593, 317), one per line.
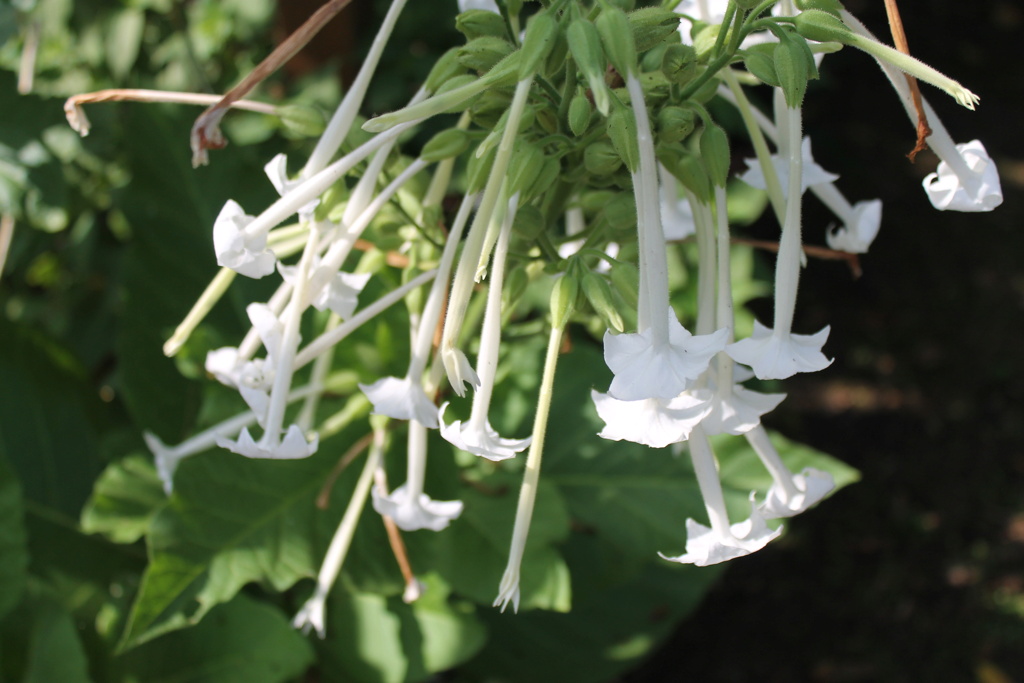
(669, 385)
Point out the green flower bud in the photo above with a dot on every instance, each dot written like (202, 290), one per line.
(445, 145)
(301, 120)
(599, 294)
(580, 113)
(476, 23)
(651, 25)
(689, 170)
(545, 180)
(478, 169)
(593, 203)
(815, 24)
(563, 300)
(760, 61)
(541, 34)
(830, 6)
(446, 67)
(714, 152)
(601, 159)
(481, 54)
(489, 108)
(529, 222)
(622, 132)
(675, 124)
(515, 283)
(679, 64)
(547, 117)
(585, 45)
(620, 212)
(617, 38)
(626, 279)
(704, 40)
(792, 69)
(524, 166)
(651, 60)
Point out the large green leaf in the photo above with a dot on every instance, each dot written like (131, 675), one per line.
(126, 497)
(53, 651)
(13, 551)
(376, 639)
(244, 641)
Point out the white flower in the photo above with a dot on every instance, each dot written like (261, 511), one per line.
(969, 183)
(338, 292)
(705, 547)
(812, 485)
(277, 171)
(413, 512)
(645, 368)
(778, 355)
(223, 363)
(246, 254)
(166, 458)
(402, 399)
(652, 422)
(859, 228)
(482, 440)
(292, 447)
(813, 173)
(738, 410)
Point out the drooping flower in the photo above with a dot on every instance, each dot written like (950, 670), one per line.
(966, 180)
(340, 294)
(777, 355)
(737, 410)
(651, 421)
(812, 174)
(292, 447)
(277, 171)
(860, 224)
(790, 493)
(243, 252)
(403, 399)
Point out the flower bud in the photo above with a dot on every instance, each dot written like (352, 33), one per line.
(524, 166)
(481, 54)
(446, 67)
(529, 222)
(563, 300)
(445, 145)
(593, 202)
(714, 152)
(815, 24)
(599, 294)
(541, 34)
(580, 113)
(760, 61)
(620, 212)
(651, 25)
(675, 124)
(301, 120)
(585, 45)
(515, 283)
(830, 6)
(476, 23)
(601, 159)
(478, 169)
(453, 84)
(679, 64)
(544, 180)
(617, 38)
(626, 279)
(622, 132)
(488, 109)
(704, 40)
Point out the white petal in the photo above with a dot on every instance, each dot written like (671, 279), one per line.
(258, 401)
(651, 422)
(704, 547)
(420, 513)
(778, 356)
(646, 369)
(812, 174)
(740, 411)
(277, 171)
(488, 5)
(341, 294)
(984, 193)
(166, 460)
(401, 399)
(459, 371)
(245, 254)
(223, 364)
(486, 444)
(268, 326)
(676, 213)
(312, 616)
(292, 447)
(813, 486)
(857, 235)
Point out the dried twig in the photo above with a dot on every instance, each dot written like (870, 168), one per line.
(206, 130)
(80, 123)
(852, 260)
(899, 37)
(27, 64)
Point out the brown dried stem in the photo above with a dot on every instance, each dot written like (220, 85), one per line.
(899, 37)
(852, 260)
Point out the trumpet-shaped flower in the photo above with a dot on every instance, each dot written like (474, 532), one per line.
(736, 410)
(812, 174)
(705, 546)
(412, 512)
(246, 254)
(859, 229)
(337, 292)
(790, 493)
(778, 354)
(966, 181)
(645, 368)
(482, 440)
(403, 399)
(292, 447)
(651, 421)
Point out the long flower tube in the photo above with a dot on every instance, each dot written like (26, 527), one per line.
(777, 353)
(790, 493)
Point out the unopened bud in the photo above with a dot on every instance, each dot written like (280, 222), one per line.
(455, 83)
(622, 132)
(524, 166)
(478, 169)
(675, 124)
(541, 32)
(580, 113)
(601, 159)
(704, 40)
(651, 25)
(563, 300)
(593, 203)
(599, 294)
(626, 280)
(481, 54)
(529, 222)
(679, 64)
(585, 45)
(714, 152)
(830, 6)
(515, 283)
(489, 108)
(617, 38)
(445, 145)
(544, 180)
(446, 67)
(689, 170)
(815, 24)
(301, 120)
(476, 23)
(620, 212)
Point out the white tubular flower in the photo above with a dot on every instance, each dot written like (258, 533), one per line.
(340, 294)
(775, 354)
(860, 222)
(790, 493)
(403, 399)
(721, 541)
(277, 171)
(408, 505)
(246, 254)
(292, 447)
(652, 422)
(966, 180)
(645, 367)
(483, 441)
(224, 365)
(737, 410)
(812, 174)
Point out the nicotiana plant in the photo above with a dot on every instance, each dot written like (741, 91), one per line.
(576, 190)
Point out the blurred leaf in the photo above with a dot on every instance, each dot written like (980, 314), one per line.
(740, 466)
(124, 37)
(13, 551)
(54, 652)
(125, 498)
(244, 641)
(408, 642)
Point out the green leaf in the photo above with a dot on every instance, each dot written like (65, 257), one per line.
(740, 466)
(125, 498)
(124, 37)
(374, 638)
(244, 641)
(13, 551)
(54, 652)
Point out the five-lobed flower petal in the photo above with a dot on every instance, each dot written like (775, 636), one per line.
(813, 173)
(484, 442)
(780, 355)
(238, 250)
(403, 399)
(292, 447)
(979, 191)
(705, 547)
(652, 422)
(412, 513)
(859, 230)
(813, 485)
(739, 410)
